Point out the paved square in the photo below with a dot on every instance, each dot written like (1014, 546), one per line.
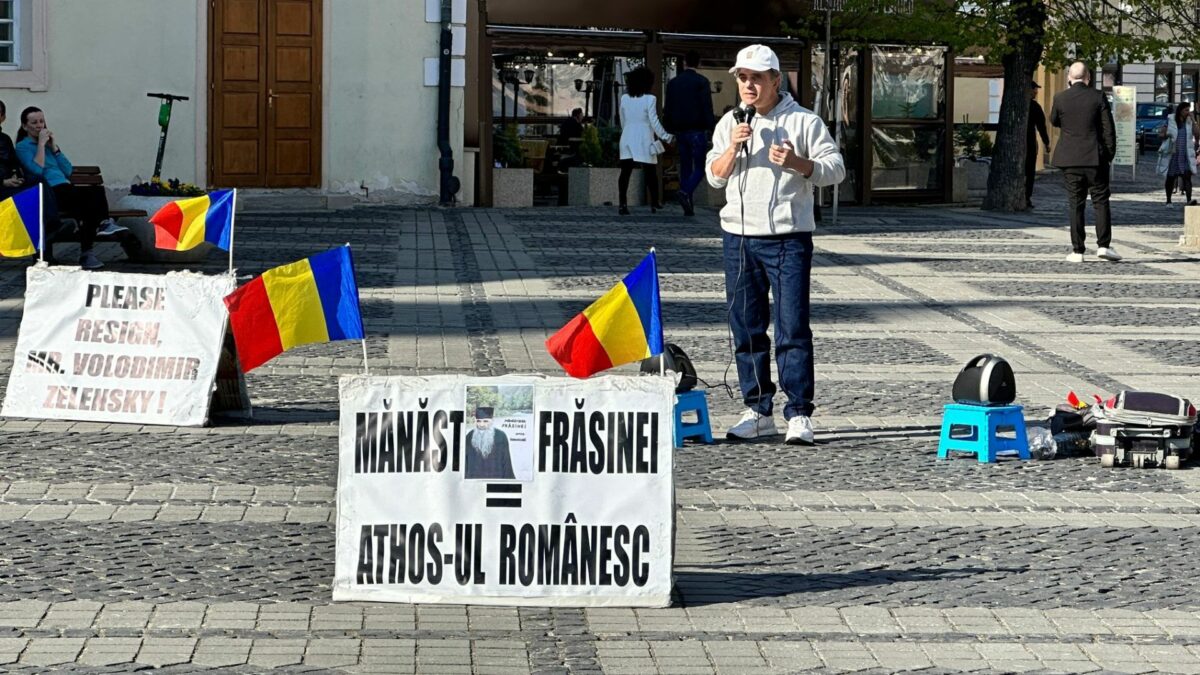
(130, 547)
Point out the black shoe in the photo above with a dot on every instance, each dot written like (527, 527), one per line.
(655, 208)
(685, 200)
(624, 211)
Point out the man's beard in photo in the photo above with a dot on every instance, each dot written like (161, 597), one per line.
(484, 440)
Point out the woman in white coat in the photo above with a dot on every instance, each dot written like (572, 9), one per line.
(639, 126)
(1181, 133)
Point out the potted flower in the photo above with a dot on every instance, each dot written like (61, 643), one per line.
(974, 149)
(595, 182)
(512, 183)
(151, 196)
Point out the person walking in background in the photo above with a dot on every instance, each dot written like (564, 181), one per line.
(688, 114)
(639, 126)
(1035, 128)
(768, 167)
(1181, 134)
(1084, 152)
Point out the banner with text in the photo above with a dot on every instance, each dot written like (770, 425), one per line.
(505, 491)
(110, 347)
(1125, 122)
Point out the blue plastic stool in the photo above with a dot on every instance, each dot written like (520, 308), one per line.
(697, 402)
(983, 422)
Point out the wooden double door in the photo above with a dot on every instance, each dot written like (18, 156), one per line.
(264, 109)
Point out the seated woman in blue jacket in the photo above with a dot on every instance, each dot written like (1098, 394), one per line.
(43, 160)
(12, 178)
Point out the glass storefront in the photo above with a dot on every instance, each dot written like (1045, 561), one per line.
(847, 129)
(908, 118)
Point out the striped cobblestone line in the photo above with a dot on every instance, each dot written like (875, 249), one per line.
(165, 502)
(404, 638)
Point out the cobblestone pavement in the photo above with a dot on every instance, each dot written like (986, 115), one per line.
(128, 547)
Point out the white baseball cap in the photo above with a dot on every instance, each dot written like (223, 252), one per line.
(756, 57)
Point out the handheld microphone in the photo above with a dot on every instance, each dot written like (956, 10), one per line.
(744, 114)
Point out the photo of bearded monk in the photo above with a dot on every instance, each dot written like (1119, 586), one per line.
(487, 449)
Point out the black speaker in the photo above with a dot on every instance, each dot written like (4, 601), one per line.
(676, 361)
(985, 380)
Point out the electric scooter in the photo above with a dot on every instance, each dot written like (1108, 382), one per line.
(164, 121)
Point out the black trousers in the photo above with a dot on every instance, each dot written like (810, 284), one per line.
(1030, 170)
(1185, 185)
(1081, 181)
(651, 180)
(88, 205)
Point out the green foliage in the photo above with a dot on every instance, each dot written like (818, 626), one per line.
(986, 146)
(506, 147)
(505, 399)
(589, 150)
(967, 139)
(1093, 31)
(610, 143)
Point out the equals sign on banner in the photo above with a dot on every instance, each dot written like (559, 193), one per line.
(508, 495)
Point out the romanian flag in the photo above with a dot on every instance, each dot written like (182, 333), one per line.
(623, 326)
(20, 223)
(312, 300)
(185, 224)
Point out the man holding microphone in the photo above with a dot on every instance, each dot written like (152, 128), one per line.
(768, 154)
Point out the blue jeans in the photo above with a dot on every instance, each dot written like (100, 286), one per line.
(783, 266)
(693, 146)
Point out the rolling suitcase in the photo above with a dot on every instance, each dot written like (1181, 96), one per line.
(1144, 429)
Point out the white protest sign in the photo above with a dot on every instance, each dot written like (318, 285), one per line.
(505, 491)
(110, 347)
(1125, 121)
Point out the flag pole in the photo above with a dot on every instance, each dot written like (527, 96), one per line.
(232, 224)
(41, 227)
(366, 365)
(662, 357)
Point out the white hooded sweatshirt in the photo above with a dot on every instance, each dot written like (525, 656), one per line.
(777, 201)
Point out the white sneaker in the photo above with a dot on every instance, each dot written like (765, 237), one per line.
(1075, 257)
(1108, 254)
(110, 226)
(752, 425)
(800, 431)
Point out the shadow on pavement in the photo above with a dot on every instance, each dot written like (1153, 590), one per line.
(700, 588)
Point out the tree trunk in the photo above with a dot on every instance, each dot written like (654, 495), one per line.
(1006, 180)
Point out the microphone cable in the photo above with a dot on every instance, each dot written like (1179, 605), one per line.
(743, 179)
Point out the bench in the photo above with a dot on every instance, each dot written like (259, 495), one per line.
(90, 175)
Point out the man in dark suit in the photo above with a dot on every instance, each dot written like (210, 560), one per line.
(688, 114)
(1036, 127)
(1085, 149)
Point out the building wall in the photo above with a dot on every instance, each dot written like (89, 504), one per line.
(971, 100)
(98, 76)
(380, 119)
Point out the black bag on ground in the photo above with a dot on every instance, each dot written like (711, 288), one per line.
(985, 380)
(1144, 429)
(1067, 417)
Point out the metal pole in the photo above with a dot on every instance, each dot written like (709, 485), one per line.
(232, 223)
(833, 93)
(41, 228)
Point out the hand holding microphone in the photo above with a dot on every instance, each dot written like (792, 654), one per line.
(741, 133)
